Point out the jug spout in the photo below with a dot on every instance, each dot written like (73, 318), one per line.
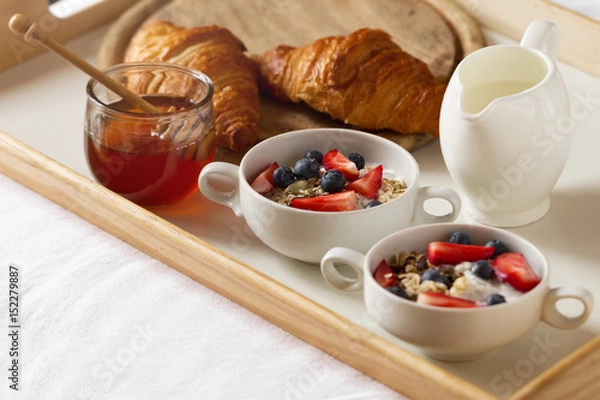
(475, 101)
(500, 74)
(467, 109)
(495, 74)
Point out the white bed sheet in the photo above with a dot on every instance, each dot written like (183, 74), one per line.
(101, 320)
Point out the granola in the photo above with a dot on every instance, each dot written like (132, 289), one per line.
(390, 189)
(489, 274)
(330, 182)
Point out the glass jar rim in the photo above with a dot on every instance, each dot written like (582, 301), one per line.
(91, 95)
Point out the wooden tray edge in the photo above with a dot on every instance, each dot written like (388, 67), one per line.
(578, 33)
(354, 345)
(14, 50)
(564, 378)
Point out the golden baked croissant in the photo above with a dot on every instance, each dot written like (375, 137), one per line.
(219, 54)
(364, 79)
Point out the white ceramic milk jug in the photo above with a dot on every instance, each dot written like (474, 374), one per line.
(505, 128)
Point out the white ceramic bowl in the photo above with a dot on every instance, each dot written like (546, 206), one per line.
(454, 334)
(307, 235)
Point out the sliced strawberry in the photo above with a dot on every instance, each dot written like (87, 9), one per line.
(514, 269)
(443, 300)
(369, 184)
(263, 183)
(384, 275)
(342, 201)
(333, 159)
(454, 253)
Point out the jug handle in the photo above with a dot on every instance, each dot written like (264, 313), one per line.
(542, 35)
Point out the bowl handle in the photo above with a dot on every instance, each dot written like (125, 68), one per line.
(432, 192)
(333, 277)
(221, 171)
(553, 317)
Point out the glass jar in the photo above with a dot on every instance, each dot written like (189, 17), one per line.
(151, 159)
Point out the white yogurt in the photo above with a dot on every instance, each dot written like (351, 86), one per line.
(477, 289)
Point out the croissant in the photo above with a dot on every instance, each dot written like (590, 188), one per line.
(219, 54)
(364, 79)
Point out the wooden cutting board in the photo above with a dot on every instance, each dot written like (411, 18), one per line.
(436, 31)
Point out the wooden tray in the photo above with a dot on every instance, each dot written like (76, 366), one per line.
(440, 36)
(14, 50)
(577, 376)
(579, 44)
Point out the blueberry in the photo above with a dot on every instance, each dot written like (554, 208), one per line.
(306, 168)
(498, 245)
(483, 270)
(459, 238)
(494, 299)
(398, 291)
(357, 159)
(436, 276)
(315, 154)
(372, 204)
(283, 177)
(333, 181)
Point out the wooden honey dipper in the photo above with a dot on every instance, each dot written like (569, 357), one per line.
(22, 26)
